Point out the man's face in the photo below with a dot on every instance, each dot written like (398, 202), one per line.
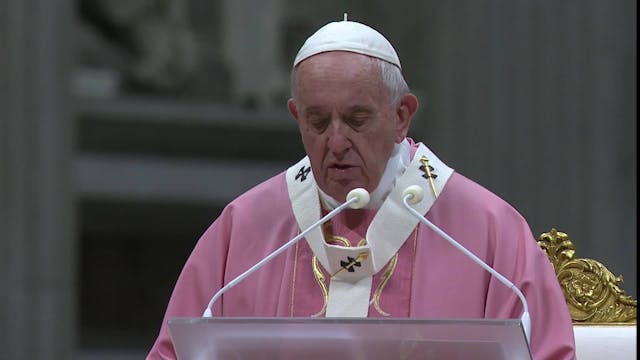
(346, 119)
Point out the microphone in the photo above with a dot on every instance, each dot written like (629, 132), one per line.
(356, 199)
(413, 195)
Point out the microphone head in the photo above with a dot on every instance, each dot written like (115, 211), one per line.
(362, 198)
(415, 193)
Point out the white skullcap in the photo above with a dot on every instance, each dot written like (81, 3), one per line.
(348, 36)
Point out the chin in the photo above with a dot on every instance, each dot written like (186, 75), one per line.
(339, 188)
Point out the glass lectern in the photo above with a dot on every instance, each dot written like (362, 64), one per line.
(348, 338)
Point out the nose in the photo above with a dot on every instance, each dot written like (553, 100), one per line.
(338, 140)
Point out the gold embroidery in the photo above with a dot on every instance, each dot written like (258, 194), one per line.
(319, 276)
(413, 266)
(293, 283)
(345, 242)
(385, 278)
(317, 273)
(427, 173)
(390, 269)
(387, 275)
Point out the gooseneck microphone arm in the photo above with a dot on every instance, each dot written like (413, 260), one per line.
(414, 194)
(356, 199)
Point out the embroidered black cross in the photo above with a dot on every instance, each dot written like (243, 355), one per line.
(303, 173)
(427, 169)
(428, 174)
(349, 264)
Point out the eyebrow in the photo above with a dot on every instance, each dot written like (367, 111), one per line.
(314, 110)
(317, 110)
(360, 108)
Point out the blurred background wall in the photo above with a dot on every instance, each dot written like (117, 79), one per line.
(126, 126)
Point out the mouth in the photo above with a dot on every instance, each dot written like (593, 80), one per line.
(341, 172)
(341, 166)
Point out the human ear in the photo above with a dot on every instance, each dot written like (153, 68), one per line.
(293, 109)
(406, 109)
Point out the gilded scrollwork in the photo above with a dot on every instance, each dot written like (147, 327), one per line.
(592, 292)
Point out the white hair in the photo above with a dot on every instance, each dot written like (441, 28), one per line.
(393, 80)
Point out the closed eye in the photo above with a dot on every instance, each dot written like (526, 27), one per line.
(358, 119)
(319, 123)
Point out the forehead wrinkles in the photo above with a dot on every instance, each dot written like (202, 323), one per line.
(339, 79)
(350, 70)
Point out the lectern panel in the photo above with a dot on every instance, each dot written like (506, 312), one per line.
(347, 338)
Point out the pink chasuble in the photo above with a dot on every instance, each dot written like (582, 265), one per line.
(431, 278)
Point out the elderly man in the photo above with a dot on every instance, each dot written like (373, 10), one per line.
(354, 109)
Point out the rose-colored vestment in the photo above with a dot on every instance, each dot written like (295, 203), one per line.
(431, 278)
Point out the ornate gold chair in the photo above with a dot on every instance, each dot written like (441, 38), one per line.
(604, 317)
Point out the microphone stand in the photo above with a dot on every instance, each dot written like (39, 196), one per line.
(414, 194)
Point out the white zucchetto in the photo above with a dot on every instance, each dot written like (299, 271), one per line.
(348, 36)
